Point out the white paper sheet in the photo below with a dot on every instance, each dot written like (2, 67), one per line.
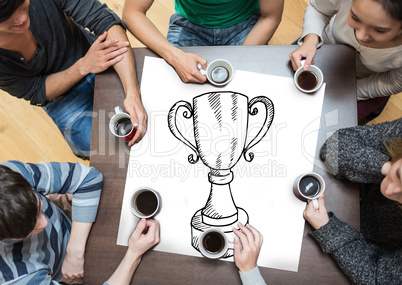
(263, 187)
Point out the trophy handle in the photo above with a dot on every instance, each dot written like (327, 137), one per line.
(175, 131)
(264, 129)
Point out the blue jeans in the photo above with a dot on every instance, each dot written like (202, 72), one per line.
(184, 33)
(72, 113)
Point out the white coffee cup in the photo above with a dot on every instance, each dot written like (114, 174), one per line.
(309, 186)
(214, 244)
(219, 72)
(145, 202)
(121, 118)
(310, 80)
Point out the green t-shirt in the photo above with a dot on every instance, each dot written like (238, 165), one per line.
(215, 13)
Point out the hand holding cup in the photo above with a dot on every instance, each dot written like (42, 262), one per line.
(247, 247)
(316, 217)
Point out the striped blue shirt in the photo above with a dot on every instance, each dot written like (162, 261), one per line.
(38, 259)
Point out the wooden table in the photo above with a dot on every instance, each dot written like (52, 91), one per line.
(110, 156)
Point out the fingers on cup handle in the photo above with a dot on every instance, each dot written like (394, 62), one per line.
(308, 61)
(315, 203)
(117, 110)
(199, 67)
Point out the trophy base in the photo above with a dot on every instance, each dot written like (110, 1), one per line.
(198, 227)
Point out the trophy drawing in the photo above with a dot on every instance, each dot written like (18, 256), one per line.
(225, 117)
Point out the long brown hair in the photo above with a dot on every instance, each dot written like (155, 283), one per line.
(392, 7)
(394, 148)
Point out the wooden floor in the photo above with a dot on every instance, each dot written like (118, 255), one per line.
(28, 134)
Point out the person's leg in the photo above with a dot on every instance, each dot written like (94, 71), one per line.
(184, 33)
(236, 34)
(73, 116)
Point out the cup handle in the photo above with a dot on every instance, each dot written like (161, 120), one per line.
(315, 203)
(203, 71)
(269, 106)
(175, 131)
(117, 110)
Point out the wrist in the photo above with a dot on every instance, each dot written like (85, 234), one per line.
(132, 93)
(312, 39)
(320, 223)
(78, 238)
(76, 251)
(173, 56)
(247, 268)
(81, 67)
(132, 259)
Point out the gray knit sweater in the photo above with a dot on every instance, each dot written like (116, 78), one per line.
(374, 255)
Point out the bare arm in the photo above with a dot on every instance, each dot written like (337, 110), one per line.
(185, 64)
(102, 54)
(317, 16)
(264, 29)
(73, 264)
(127, 74)
(307, 50)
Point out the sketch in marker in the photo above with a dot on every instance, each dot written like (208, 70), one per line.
(225, 117)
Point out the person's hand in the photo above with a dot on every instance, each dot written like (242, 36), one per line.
(246, 247)
(316, 218)
(139, 118)
(102, 54)
(307, 50)
(185, 65)
(145, 236)
(73, 265)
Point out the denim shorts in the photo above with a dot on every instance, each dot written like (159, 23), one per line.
(184, 33)
(72, 114)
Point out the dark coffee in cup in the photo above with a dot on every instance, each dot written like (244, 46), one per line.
(220, 74)
(309, 186)
(123, 127)
(213, 242)
(307, 80)
(146, 203)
